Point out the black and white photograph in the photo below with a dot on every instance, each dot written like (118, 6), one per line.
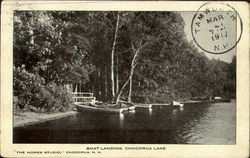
(126, 76)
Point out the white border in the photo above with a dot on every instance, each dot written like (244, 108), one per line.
(8, 148)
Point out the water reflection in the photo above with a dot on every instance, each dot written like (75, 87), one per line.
(197, 124)
(182, 108)
(150, 111)
(121, 118)
(175, 111)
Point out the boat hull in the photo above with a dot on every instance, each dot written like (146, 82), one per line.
(86, 108)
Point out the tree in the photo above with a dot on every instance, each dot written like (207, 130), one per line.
(144, 29)
(135, 56)
(133, 65)
(55, 48)
(112, 56)
(48, 48)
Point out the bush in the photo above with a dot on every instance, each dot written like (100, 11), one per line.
(26, 86)
(16, 108)
(33, 95)
(59, 100)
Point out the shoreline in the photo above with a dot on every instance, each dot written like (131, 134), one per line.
(29, 118)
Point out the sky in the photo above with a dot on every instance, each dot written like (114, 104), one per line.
(188, 16)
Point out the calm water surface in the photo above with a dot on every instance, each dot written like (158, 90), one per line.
(193, 124)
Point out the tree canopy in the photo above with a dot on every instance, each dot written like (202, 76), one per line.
(152, 59)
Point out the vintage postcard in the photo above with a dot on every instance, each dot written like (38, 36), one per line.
(124, 79)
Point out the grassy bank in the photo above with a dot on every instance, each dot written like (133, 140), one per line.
(28, 118)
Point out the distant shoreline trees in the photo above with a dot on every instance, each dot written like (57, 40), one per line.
(131, 56)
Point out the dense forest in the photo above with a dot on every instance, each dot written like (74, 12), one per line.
(131, 56)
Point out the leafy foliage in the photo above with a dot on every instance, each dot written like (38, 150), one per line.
(32, 95)
(53, 48)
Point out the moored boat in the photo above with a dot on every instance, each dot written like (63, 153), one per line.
(177, 104)
(222, 99)
(108, 108)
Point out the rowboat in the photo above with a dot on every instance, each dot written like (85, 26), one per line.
(177, 104)
(224, 99)
(111, 108)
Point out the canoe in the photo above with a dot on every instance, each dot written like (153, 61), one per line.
(102, 109)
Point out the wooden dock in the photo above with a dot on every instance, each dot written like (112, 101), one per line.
(151, 105)
(166, 105)
(145, 106)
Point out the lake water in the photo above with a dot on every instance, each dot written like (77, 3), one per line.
(194, 124)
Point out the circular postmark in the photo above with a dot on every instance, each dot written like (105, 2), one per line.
(216, 27)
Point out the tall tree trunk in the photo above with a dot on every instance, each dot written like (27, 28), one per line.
(112, 58)
(31, 32)
(105, 82)
(99, 86)
(102, 83)
(96, 79)
(130, 90)
(117, 74)
(80, 87)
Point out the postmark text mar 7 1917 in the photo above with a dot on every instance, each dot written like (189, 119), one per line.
(216, 27)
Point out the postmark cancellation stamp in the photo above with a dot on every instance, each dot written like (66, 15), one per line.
(216, 28)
